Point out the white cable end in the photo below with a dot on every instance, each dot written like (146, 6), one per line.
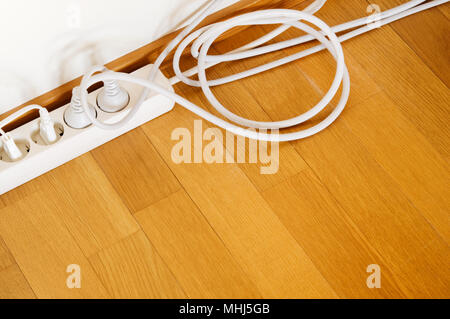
(112, 98)
(10, 147)
(47, 127)
(74, 116)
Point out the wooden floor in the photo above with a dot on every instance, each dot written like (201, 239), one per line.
(371, 189)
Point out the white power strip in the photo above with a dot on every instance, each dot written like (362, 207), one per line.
(72, 143)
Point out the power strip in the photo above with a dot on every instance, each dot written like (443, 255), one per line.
(72, 143)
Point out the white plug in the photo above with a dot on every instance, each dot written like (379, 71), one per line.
(47, 127)
(74, 115)
(112, 98)
(10, 147)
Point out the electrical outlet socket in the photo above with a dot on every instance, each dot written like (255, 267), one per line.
(41, 158)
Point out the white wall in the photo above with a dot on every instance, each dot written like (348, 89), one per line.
(46, 43)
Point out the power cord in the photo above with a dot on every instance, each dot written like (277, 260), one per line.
(75, 115)
(112, 97)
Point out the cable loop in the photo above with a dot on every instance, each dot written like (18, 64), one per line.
(203, 38)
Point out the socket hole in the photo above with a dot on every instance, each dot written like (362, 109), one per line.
(24, 147)
(37, 138)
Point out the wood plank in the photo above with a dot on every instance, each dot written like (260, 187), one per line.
(429, 40)
(13, 284)
(406, 156)
(248, 227)
(43, 248)
(396, 68)
(445, 9)
(329, 237)
(193, 251)
(23, 191)
(136, 170)
(89, 205)
(383, 214)
(6, 260)
(132, 268)
(287, 164)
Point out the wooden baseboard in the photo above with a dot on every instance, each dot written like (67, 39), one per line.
(143, 56)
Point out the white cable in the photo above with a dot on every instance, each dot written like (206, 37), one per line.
(245, 51)
(315, 6)
(203, 38)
